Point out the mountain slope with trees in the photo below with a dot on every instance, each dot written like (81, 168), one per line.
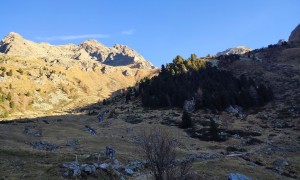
(211, 88)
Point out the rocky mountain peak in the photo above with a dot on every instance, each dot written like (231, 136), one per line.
(235, 50)
(12, 36)
(92, 43)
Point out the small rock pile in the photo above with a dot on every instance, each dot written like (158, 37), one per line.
(74, 169)
(42, 145)
(133, 168)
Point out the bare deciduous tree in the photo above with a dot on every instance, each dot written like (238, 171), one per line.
(158, 146)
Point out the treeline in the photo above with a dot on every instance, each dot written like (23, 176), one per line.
(210, 87)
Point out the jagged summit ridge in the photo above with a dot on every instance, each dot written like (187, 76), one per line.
(118, 55)
(235, 50)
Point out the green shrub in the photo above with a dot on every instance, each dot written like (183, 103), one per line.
(2, 98)
(27, 93)
(5, 114)
(12, 104)
(3, 69)
(8, 96)
(9, 73)
(20, 71)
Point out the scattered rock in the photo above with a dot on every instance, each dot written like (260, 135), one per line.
(29, 130)
(128, 171)
(73, 169)
(280, 162)
(281, 123)
(237, 176)
(66, 174)
(91, 130)
(42, 145)
(73, 143)
(136, 165)
(250, 163)
(238, 111)
(104, 166)
(133, 119)
(252, 141)
(128, 130)
(116, 164)
(88, 168)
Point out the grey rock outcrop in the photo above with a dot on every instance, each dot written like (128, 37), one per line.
(281, 42)
(294, 38)
(118, 55)
(235, 50)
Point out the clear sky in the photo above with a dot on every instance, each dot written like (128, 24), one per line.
(157, 29)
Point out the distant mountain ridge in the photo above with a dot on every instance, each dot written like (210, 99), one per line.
(235, 50)
(118, 55)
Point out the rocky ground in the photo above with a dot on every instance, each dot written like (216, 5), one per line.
(260, 146)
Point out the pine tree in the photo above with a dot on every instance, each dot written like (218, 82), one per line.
(163, 70)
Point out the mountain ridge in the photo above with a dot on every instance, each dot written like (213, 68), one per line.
(118, 55)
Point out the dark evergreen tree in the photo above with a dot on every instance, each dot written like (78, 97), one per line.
(186, 120)
(214, 131)
(104, 102)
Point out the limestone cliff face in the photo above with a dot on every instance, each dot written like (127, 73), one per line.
(294, 38)
(118, 55)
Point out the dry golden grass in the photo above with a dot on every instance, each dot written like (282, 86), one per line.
(48, 87)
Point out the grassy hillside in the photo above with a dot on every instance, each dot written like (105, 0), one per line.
(31, 87)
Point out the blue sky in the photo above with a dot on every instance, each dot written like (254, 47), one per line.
(157, 29)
